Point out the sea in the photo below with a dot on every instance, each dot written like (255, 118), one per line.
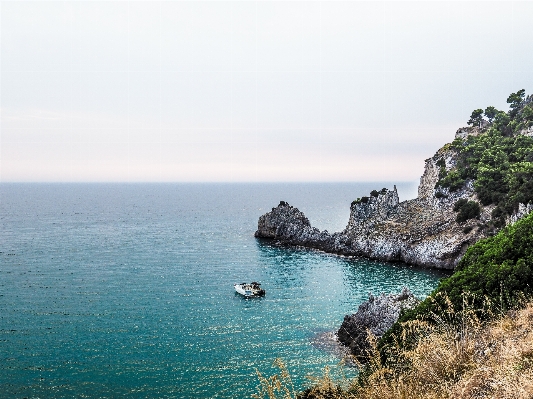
(115, 290)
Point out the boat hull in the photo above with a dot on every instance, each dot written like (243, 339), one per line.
(249, 290)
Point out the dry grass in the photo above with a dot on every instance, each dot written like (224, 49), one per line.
(459, 357)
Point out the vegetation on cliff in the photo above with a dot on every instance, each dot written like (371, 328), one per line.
(498, 156)
(497, 272)
(373, 193)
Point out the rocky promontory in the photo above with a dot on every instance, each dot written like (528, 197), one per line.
(470, 189)
(422, 231)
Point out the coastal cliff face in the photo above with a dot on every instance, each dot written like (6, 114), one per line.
(422, 231)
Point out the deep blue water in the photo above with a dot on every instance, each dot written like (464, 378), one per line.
(126, 290)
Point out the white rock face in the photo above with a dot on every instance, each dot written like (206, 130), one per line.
(426, 188)
(522, 211)
(527, 132)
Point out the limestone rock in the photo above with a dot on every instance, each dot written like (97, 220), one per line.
(522, 211)
(374, 317)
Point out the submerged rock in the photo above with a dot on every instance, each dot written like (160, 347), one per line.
(373, 318)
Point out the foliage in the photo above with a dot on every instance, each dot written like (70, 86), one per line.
(467, 210)
(373, 193)
(451, 180)
(514, 100)
(490, 113)
(281, 386)
(362, 200)
(476, 117)
(276, 386)
(499, 161)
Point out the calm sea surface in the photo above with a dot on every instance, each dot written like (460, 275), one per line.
(126, 290)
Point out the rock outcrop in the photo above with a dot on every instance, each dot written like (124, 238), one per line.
(372, 319)
(422, 231)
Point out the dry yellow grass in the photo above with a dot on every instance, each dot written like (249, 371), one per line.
(460, 358)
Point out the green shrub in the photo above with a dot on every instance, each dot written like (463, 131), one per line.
(466, 210)
(459, 204)
(374, 193)
(452, 180)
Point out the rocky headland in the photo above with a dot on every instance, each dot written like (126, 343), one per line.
(422, 231)
(428, 231)
(470, 189)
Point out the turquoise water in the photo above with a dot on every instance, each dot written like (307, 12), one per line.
(126, 290)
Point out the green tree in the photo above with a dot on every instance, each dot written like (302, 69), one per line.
(515, 100)
(490, 184)
(476, 117)
(501, 122)
(490, 113)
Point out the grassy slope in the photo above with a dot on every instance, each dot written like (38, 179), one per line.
(469, 359)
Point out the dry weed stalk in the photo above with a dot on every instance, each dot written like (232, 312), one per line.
(271, 387)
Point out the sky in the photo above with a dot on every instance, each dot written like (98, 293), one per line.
(104, 91)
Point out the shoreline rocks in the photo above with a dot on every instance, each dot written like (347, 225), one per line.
(372, 319)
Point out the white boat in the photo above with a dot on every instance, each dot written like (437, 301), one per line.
(249, 290)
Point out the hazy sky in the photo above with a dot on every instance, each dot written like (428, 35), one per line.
(249, 91)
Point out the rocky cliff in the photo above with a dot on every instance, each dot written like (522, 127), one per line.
(422, 231)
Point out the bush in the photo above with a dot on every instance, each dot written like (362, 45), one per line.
(452, 180)
(467, 210)
(374, 193)
(459, 204)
